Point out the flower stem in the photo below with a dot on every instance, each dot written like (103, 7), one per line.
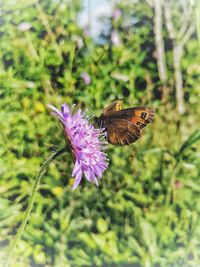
(30, 203)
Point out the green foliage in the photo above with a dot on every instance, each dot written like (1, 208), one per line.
(195, 137)
(146, 210)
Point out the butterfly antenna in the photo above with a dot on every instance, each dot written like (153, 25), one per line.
(88, 107)
(90, 117)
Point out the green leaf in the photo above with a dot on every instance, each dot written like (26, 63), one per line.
(193, 138)
(102, 225)
(85, 237)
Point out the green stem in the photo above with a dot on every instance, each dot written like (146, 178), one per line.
(30, 203)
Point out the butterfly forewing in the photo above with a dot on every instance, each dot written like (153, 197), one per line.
(140, 116)
(115, 106)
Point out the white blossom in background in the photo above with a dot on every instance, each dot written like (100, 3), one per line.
(115, 38)
(24, 26)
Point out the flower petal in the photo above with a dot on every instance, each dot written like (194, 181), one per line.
(55, 109)
(77, 179)
(76, 169)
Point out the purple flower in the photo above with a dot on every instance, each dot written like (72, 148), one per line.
(116, 14)
(115, 38)
(90, 160)
(86, 78)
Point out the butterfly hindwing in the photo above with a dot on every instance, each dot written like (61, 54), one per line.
(122, 132)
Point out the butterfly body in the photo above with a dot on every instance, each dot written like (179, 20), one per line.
(124, 126)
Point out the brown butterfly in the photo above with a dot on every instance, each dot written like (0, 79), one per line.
(124, 126)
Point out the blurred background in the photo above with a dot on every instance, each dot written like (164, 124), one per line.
(146, 211)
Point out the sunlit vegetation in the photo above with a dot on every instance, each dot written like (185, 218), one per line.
(146, 210)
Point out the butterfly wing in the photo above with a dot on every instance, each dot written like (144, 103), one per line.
(122, 132)
(140, 116)
(115, 106)
(124, 127)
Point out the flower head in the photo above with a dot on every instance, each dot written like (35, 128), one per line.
(116, 14)
(86, 78)
(90, 160)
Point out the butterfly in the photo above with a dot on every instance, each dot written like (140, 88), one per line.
(124, 126)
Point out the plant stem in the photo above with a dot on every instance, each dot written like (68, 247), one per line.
(159, 42)
(30, 203)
